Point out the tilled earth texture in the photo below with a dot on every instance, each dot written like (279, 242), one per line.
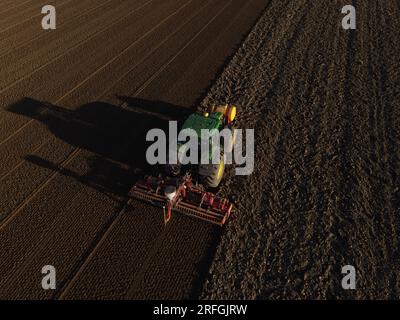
(325, 106)
(77, 102)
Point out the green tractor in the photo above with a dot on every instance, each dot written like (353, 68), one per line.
(217, 119)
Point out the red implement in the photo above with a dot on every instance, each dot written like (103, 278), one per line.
(181, 195)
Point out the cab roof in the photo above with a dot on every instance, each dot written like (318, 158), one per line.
(197, 122)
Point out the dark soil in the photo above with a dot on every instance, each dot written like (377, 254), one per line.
(324, 103)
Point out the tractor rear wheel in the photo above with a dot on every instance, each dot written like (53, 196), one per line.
(211, 174)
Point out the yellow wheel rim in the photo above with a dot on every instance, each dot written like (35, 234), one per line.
(231, 114)
(220, 169)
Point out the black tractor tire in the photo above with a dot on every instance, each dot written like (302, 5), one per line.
(211, 174)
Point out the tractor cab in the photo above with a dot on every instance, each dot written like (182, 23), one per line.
(177, 192)
(213, 122)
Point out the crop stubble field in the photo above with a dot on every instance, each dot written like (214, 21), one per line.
(77, 102)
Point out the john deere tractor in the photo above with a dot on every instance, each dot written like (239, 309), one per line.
(215, 120)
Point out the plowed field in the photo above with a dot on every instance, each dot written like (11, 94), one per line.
(324, 103)
(77, 102)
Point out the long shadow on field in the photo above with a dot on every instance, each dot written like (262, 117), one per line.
(160, 109)
(116, 139)
(115, 135)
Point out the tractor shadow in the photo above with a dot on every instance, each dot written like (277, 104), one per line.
(114, 136)
(113, 143)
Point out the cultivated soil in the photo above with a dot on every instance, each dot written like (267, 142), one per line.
(77, 102)
(325, 106)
